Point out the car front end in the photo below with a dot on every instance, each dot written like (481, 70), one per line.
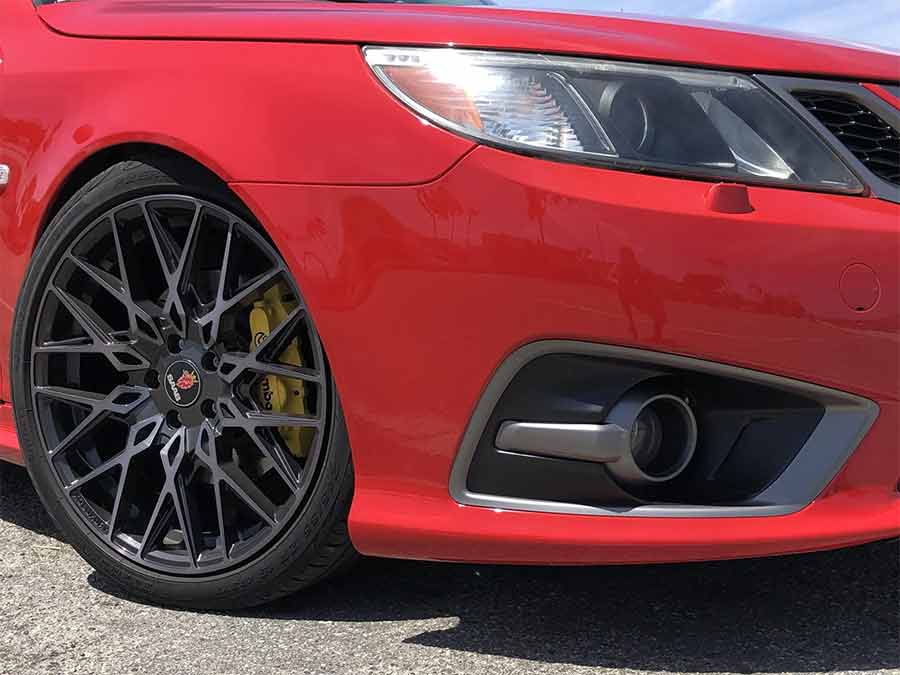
(574, 289)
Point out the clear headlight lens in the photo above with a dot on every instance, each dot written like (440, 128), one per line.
(632, 116)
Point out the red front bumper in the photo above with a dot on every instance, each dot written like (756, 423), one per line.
(420, 292)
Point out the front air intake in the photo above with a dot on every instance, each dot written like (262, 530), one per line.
(574, 427)
(872, 141)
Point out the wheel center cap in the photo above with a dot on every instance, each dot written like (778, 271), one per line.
(182, 383)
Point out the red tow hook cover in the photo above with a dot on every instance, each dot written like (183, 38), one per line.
(729, 198)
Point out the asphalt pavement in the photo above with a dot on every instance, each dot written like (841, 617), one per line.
(834, 612)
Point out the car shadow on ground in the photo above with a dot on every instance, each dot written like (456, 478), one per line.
(20, 505)
(809, 613)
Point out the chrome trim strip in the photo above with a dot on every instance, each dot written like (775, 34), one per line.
(585, 442)
(847, 419)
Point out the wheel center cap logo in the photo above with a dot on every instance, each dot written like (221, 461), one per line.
(182, 383)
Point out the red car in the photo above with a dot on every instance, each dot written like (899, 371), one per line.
(285, 281)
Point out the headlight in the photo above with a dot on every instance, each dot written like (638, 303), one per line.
(626, 115)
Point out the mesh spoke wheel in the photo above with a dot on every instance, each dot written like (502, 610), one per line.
(153, 395)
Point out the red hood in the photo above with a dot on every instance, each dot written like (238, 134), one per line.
(642, 39)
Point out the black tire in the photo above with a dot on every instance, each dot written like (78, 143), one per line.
(6, 470)
(312, 545)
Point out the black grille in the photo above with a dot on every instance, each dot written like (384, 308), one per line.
(874, 142)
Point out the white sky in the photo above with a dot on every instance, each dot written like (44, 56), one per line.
(875, 22)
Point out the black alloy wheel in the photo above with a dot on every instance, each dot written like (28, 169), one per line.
(180, 412)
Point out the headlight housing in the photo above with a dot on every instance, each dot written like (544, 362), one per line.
(626, 115)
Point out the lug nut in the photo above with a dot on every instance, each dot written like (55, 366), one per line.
(208, 408)
(210, 362)
(151, 379)
(174, 344)
(173, 419)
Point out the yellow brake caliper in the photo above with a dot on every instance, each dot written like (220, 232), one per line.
(281, 394)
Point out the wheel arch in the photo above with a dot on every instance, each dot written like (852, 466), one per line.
(88, 166)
